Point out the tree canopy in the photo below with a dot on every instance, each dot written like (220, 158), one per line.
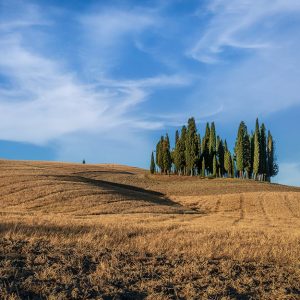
(253, 156)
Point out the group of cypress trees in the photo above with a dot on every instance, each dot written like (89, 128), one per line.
(253, 155)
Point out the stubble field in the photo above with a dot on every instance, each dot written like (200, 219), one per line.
(71, 231)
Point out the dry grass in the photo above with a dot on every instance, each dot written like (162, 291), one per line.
(71, 231)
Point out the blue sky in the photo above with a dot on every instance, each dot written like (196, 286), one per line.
(102, 80)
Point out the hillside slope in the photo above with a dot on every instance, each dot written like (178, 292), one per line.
(75, 231)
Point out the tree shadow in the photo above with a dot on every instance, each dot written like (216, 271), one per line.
(127, 192)
(104, 172)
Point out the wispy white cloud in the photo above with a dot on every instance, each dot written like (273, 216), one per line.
(240, 24)
(42, 100)
(253, 47)
(109, 26)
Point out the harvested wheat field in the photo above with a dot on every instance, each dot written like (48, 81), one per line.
(72, 231)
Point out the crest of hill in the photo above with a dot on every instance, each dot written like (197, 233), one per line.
(51, 187)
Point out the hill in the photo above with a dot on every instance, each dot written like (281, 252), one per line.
(116, 232)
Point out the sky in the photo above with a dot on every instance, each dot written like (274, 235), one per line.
(102, 80)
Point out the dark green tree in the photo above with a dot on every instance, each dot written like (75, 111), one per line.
(220, 155)
(191, 151)
(179, 156)
(272, 165)
(233, 168)
(203, 167)
(198, 163)
(239, 148)
(212, 145)
(215, 166)
(159, 154)
(225, 146)
(252, 153)
(176, 136)
(152, 164)
(263, 152)
(183, 145)
(228, 163)
(247, 155)
(256, 157)
(205, 145)
(167, 161)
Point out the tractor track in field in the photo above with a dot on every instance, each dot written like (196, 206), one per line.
(241, 210)
(287, 204)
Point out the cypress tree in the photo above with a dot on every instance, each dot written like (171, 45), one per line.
(198, 163)
(272, 165)
(152, 164)
(263, 152)
(220, 154)
(179, 156)
(225, 146)
(233, 169)
(239, 148)
(176, 136)
(205, 144)
(191, 151)
(252, 153)
(256, 157)
(247, 155)
(159, 154)
(203, 167)
(167, 162)
(183, 145)
(228, 163)
(174, 153)
(212, 145)
(215, 166)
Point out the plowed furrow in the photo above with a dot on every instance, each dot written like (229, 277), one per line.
(29, 187)
(267, 219)
(39, 198)
(241, 210)
(287, 204)
(217, 207)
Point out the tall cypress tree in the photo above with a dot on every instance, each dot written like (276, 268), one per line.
(233, 168)
(191, 151)
(272, 165)
(183, 145)
(220, 155)
(174, 152)
(152, 164)
(247, 155)
(176, 136)
(205, 145)
(167, 162)
(159, 154)
(256, 158)
(215, 166)
(263, 152)
(179, 156)
(228, 163)
(198, 163)
(212, 145)
(203, 167)
(239, 148)
(252, 153)
(225, 146)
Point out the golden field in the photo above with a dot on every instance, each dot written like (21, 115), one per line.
(72, 231)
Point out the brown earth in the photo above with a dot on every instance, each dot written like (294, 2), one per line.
(72, 231)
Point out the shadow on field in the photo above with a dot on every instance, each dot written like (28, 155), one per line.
(105, 172)
(128, 192)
